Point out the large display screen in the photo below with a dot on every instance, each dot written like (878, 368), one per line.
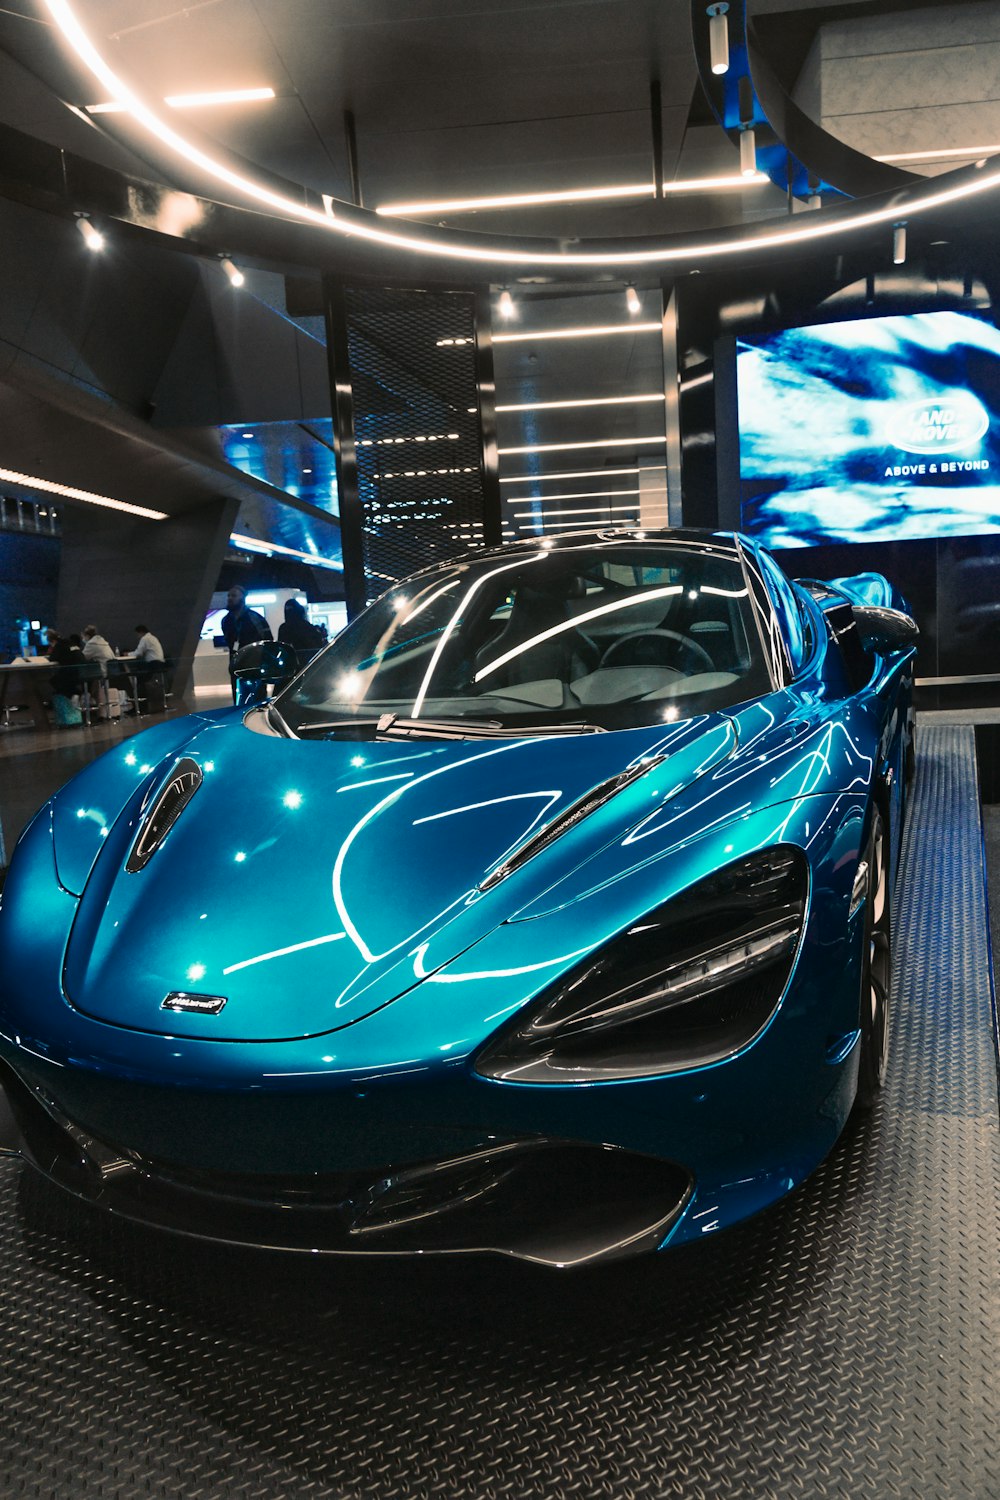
(878, 430)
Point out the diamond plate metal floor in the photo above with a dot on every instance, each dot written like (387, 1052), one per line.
(843, 1344)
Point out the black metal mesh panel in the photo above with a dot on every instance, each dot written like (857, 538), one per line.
(416, 426)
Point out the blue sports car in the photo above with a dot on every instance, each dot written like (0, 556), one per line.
(545, 913)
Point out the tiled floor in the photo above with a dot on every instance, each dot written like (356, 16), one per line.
(35, 763)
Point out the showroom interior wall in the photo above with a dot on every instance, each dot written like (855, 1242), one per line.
(91, 349)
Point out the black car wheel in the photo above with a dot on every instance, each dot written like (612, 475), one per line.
(876, 967)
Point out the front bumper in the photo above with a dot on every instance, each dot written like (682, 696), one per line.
(548, 1202)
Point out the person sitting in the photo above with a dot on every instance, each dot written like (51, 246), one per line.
(96, 649)
(149, 668)
(148, 649)
(65, 680)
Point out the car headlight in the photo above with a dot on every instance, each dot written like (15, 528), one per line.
(690, 984)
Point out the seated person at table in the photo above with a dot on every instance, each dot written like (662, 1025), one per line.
(148, 649)
(96, 648)
(149, 661)
(65, 680)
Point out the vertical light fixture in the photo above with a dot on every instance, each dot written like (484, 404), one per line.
(234, 273)
(505, 307)
(748, 140)
(92, 238)
(632, 300)
(898, 244)
(814, 199)
(718, 37)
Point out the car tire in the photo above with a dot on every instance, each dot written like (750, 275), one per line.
(874, 1010)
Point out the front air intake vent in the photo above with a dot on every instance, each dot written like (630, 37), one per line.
(163, 814)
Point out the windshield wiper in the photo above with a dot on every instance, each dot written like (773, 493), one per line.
(392, 727)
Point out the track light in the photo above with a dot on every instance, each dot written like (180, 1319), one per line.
(632, 300)
(718, 38)
(898, 244)
(91, 238)
(234, 273)
(748, 152)
(505, 307)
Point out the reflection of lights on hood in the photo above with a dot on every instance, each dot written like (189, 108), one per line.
(196, 971)
(239, 857)
(292, 799)
(357, 760)
(263, 958)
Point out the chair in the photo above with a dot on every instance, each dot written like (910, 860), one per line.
(90, 680)
(123, 676)
(161, 673)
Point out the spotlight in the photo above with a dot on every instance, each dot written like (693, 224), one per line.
(898, 244)
(748, 151)
(234, 273)
(505, 307)
(632, 300)
(718, 38)
(91, 238)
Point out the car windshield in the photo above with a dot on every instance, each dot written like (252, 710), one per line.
(597, 636)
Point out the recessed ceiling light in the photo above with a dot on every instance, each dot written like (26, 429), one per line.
(190, 101)
(945, 154)
(629, 442)
(583, 401)
(584, 331)
(50, 487)
(574, 495)
(251, 544)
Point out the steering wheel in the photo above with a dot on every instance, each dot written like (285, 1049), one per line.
(701, 656)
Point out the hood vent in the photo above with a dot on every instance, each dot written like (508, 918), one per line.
(184, 781)
(568, 818)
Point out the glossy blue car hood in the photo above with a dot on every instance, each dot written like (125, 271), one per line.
(310, 882)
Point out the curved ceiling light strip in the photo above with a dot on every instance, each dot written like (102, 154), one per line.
(447, 245)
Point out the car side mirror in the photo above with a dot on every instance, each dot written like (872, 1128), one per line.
(261, 665)
(884, 630)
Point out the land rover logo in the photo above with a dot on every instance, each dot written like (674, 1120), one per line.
(943, 426)
(206, 1005)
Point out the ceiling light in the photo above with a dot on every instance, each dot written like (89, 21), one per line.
(234, 273)
(91, 237)
(585, 401)
(718, 38)
(973, 153)
(505, 306)
(49, 486)
(629, 442)
(251, 544)
(716, 184)
(898, 244)
(748, 152)
(575, 495)
(190, 101)
(766, 238)
(584, 331)
(574, 474)
(515, 200)
(632, 300)
(584, 510)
